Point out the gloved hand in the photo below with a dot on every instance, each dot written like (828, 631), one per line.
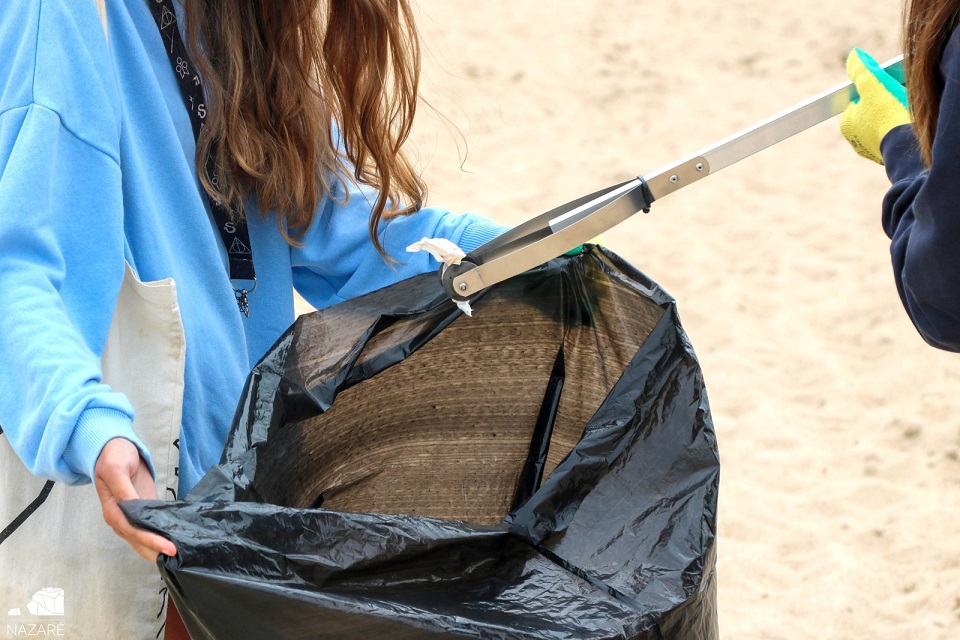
(882, 105)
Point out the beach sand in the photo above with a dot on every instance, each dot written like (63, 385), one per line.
(838, 427)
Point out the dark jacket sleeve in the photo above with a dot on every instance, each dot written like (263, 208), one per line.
(921, 215)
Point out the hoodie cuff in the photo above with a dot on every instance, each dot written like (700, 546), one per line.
(95, 428)
(901, 154)
(479, 233)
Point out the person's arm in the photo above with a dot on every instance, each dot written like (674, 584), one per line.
(921, 215)
(61, 243)
(61, 254)
(337, 260)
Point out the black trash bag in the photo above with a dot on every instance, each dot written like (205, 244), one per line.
(396, 469)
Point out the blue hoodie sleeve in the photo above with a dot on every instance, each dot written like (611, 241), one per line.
(337, 261)
(61, 240)
(921, 215)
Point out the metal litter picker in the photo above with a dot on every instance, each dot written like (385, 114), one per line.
(558, 230)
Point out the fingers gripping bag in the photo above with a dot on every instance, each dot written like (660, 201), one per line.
(544, 469)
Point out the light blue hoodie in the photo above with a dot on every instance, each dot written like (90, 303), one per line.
(97, 166)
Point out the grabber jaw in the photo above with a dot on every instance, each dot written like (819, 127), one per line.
(544, 238)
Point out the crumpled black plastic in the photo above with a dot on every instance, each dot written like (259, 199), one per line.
(545, 469)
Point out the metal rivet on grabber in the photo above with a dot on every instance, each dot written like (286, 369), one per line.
(699, 166)
(463, 286)
(674, 179)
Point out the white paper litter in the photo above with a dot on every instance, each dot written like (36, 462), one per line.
(447, 253)
(440, 248)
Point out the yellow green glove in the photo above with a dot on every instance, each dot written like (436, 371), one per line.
(882, 105)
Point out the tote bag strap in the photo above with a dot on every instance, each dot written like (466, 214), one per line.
(102, 10)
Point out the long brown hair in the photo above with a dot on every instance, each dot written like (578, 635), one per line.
(279, 73)
(927, 26)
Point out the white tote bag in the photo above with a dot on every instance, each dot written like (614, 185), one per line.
(63, 571)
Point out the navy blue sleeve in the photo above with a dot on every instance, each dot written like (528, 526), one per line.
(921, 215)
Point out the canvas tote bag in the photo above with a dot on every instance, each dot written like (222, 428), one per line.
(61, 565)
(63, 571)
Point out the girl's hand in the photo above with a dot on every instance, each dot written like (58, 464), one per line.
(120, 474)
(882, 105)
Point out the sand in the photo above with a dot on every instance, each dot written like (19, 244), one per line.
(838, 427)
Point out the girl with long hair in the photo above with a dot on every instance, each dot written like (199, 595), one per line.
(228, 151)
(911, 125)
